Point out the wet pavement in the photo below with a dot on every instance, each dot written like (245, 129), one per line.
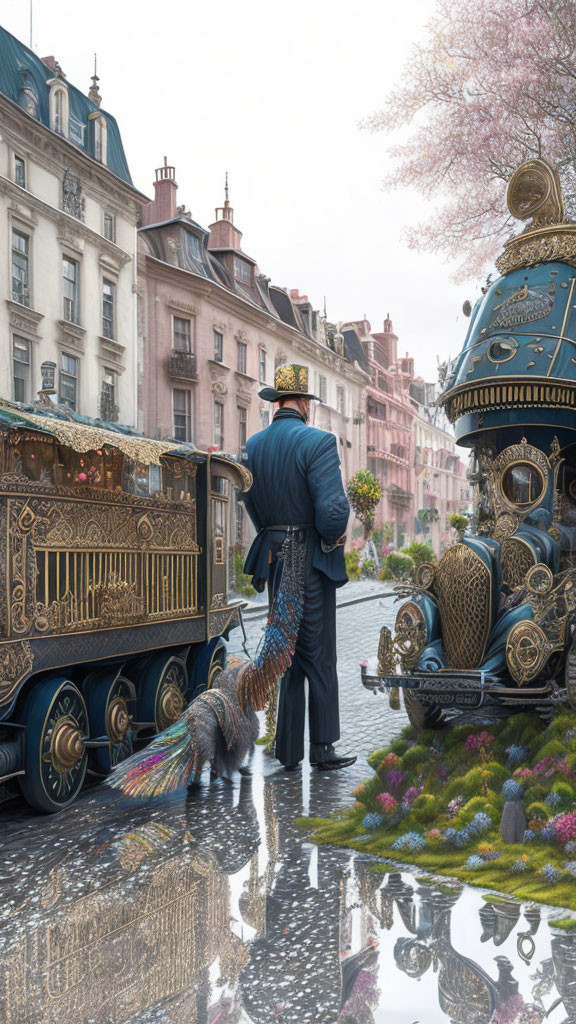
(211, 907)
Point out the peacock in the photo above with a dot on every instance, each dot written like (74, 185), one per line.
(220, 725)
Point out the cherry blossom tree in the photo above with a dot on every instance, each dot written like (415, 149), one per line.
(492, 84)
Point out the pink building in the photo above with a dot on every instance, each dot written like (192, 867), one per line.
(212, 329)
(390, 412)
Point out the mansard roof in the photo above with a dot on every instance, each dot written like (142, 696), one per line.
(24, 79)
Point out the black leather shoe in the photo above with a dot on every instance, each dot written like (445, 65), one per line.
(291, 767)
(325, 759)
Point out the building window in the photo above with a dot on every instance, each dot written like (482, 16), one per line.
(341, 399)
(262, 365)
(193, 244)
(69, 367)
(182, 407)
(108, 304)
(109, 410)
(322, 387)
(100, 138)
(242, 422)
(242, 271)
(22, 369)
(58, 112)
(181, 334)
(20, 268)
(20, 171)
(70, 278)
(219, 424)
(218, 346)
(110, 227)
(76, 130)
(265, 417)
(242, 357)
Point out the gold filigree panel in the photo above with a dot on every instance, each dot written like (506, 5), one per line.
(16, 662)
(463, 588)
(516, 560)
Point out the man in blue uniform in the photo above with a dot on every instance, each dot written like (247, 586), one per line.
(298, 485)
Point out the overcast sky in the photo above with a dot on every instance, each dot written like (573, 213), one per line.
(272, 92)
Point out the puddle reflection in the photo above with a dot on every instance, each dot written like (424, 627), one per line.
(210, 909)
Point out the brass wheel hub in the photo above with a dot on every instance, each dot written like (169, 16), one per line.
(118, 719)
(66, 744)
(171, 704)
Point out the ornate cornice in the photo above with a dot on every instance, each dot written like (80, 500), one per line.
(24, 319)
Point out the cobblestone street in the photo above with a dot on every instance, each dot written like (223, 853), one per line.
(212, 905)
(366, 720)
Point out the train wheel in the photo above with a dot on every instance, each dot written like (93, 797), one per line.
(217, 666)
(422, 716)
(163, 691)
(56, 759)
(110, 703)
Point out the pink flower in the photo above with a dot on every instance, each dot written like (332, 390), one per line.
(388, 802)
(390, 761)
(476, 741)
(565, 826)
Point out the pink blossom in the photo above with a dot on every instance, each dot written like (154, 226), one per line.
(475, 741)
(490, 85)
(565, 826)
(388, 802)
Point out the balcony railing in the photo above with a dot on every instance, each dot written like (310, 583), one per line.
(182, 364)
(398, 496)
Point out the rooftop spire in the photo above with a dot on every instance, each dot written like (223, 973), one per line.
(94, 92)
(225, 212)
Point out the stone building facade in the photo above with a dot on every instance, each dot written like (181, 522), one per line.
(68, 216)
(213, 328)
(441, 484)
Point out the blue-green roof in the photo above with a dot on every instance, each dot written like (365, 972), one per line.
(23, 78)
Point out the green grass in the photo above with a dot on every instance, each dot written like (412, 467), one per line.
(452, 770)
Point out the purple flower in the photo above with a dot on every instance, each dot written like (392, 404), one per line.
(395, 779)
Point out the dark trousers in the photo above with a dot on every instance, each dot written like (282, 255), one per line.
(314, 660)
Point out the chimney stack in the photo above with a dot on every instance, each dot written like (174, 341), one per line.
(163, 207)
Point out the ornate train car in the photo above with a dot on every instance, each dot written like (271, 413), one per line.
(114, 581)
(489, 629)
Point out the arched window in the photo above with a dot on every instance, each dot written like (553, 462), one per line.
(59, 107)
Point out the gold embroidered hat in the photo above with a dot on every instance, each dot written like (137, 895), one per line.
(290, 381)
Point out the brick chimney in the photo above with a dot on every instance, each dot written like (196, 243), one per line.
(223, 234)
(163, 206)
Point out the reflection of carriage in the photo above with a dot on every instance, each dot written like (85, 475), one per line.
(490, 626)
(113, 592)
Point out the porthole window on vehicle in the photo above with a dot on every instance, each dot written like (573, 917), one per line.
(502, 349)
(523, 484)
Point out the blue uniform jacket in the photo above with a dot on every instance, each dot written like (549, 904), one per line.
(297, 481)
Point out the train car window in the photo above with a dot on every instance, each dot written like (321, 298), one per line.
(178, 479)
(35, 459)
(523, 484)
(220, 485)
(136, 478)
(219, 532)
(100, 469)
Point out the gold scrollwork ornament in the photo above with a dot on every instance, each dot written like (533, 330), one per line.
(527, 651)
(539, 579)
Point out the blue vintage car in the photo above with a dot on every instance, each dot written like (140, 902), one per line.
(489, 629)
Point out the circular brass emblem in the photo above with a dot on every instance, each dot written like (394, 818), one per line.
(539, 579)
(502, 349)
(171, 704)
(117, 719)
(424, 575)
(535, 189)
(66, 744)
(526, 651)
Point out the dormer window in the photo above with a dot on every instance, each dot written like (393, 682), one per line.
(59, 107)
(100, 129)
(242, 271)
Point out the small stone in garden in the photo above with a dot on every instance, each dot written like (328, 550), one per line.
(513, 822)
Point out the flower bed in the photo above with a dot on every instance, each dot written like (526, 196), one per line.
(437, 800)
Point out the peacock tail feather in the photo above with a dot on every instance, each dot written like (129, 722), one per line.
(220, 725)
